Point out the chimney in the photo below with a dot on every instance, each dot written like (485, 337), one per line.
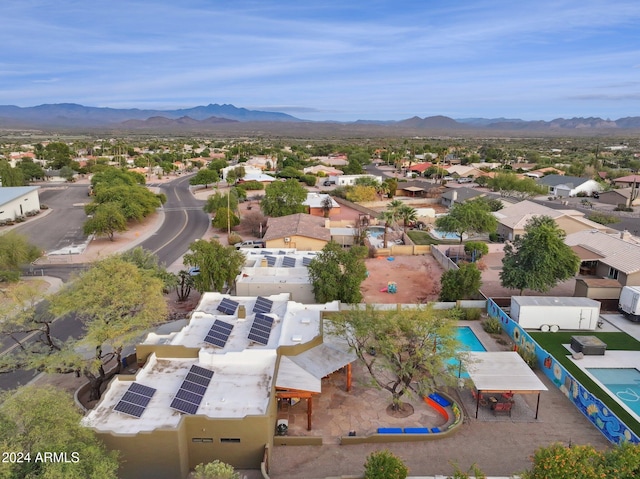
(242, 312)
(625, 235)
(454, 196)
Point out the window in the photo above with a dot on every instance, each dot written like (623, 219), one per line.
(229, 439)
(201, 439)
(613, 273)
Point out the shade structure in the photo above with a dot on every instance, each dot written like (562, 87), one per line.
(500, 372)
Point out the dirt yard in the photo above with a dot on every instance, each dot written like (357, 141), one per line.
(417, 279)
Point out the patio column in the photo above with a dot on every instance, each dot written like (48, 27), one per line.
(349, 377)
(309, 412)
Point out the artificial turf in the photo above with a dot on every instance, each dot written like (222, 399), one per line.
(553, 343)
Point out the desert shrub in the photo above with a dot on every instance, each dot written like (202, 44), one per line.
(529, 357)
(492, 326)
(457, 313)
(215, 470)
(493, 237)
(309, 180)
(384, 465)
(603, 218)
(623, 207)
(234, 238)
(251, 185)
(472, 314)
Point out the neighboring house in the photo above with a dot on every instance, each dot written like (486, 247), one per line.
(539, 173)
(259, 177)
(18, 201)
(607, 256)
(418, 189)
(459, 195)
(315, 204)
(300, 231)
(563, 186)
(620, 196)
(350, 180)
(268, 272)
(464, 171)
(260, 162)
(54, 176)
(213, 387)
(512, 219)
(335, 160)
(327, 170)
(627, 180)
(248, 170)
(419, 168)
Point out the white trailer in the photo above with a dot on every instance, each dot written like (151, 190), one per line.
(629, 302)
(549, 313)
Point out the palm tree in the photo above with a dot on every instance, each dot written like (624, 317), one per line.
(408, 215)
(389, 218)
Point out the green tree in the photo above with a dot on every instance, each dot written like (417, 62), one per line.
(224, 219)
(15, 252)
(116, 302)
(461, 283)
(107, 219)
(67, 173)
(283, 198)
(384, 465)
(215, 470)
(336, 273)
(135, 202)
(149, 263)
(57, 154)
(509, 184)
(204, 177)
(219, 265)
(359, 193)
(219, 200)
(30, 170)
(404, 351)
(235, 174)
(38, 419)
(477, 249)
(408, 215)
(469, 217)
(539, 259)
(10, 176)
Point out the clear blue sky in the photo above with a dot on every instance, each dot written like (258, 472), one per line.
(325, 59)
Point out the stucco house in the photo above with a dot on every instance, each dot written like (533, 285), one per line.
(211, 389)
(563, 186)
(315, 204)
(300, 231)
(18, 201)
(620, 196)
(607, 256)
(627, 180)
(513, 219)
(459, 195)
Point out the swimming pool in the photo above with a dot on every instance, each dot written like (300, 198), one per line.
(622, 383)
(375, 231)
(441, 235)
(469, 342)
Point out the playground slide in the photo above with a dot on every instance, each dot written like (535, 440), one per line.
(443, 412)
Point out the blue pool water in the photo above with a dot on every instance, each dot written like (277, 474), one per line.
(469, 342)
(623, 383)
(441, 235)
(375, 231)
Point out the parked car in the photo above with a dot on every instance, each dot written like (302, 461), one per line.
(194, 271)
(465, 180)
(327, 183)
(250, 244)
(595, 194)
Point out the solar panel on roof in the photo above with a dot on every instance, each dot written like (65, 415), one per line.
(281, 252)
(135, 400)
(263, 305)
(261, 329)
(192, 390)
(228, 306)
(271, 260)
(289, 262)
(219, 333)
(306, 261)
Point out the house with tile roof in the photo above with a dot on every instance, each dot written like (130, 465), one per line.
(563, 186)
(513, 219)
(300, 231)
(627, 180)
(614, 256)
(211, 389)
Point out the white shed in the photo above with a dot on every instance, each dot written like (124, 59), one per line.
(17, 201)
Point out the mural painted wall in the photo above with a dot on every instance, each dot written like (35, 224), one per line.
(593, 408)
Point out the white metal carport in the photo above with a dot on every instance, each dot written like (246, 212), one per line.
(502, 372)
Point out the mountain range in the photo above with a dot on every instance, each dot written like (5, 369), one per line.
(71, 115)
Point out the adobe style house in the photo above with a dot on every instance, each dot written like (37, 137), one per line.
(563, 186)
(211, 389)
(513, 219)
(607, 256)
(300, 231)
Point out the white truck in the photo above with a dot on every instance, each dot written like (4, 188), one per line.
(629, 302)
(551, 313)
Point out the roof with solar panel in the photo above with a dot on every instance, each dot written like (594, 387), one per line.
(236, 340)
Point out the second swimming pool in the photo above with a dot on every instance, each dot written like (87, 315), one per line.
(622, 383)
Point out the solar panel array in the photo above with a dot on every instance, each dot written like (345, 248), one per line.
(135, 400)
(261, 329)
(263, 305)
(306, 261)
(289, 262)
(228, 306)
(219, 333)
(271, 260)
(192, 390)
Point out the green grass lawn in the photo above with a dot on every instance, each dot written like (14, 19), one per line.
(422, 237)
(614, 341)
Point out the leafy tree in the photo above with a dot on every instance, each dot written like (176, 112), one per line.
(204, 177)
(38, 419)
(404, 351)
(116, 302)
(359, 193)
(219, 200)
(106, 221)
(15, 252)
(67, 173)
(235, 174)
(584, 461)
(389, 187)
(215, 470)
(30, 170)
(183, 284)
(57, 154)
(148, 262)
(477, 249)
(384, 465)
(10, 176)
(217, 165)
(283, 198)
(219, 265)
(468, 217)
(461, 283)
(336, 273)
(508, 184)
(539, 259)
(225, 219)
(135, 202)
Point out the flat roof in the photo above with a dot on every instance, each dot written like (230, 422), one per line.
(555, 301)
(502, 371)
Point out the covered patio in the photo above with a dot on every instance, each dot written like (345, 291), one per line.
(498, 376)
